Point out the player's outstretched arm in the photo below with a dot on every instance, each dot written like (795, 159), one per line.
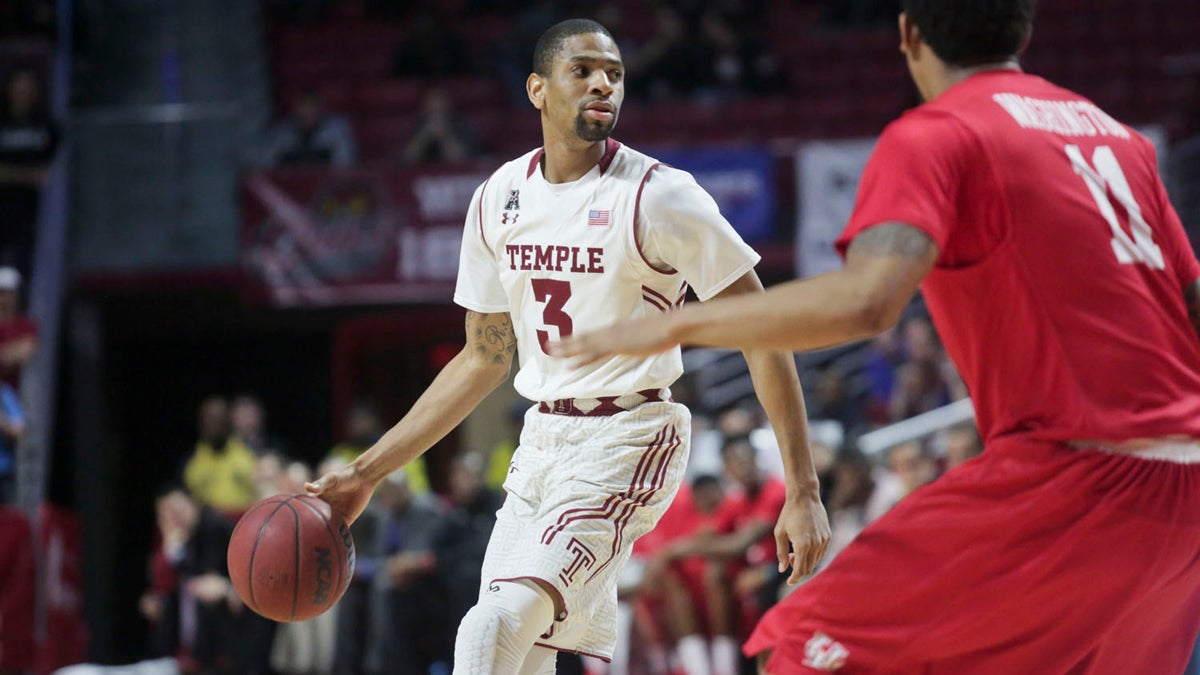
(802, 531)
(884, 267)
(469, 377)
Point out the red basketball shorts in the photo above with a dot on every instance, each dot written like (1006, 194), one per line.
(1032, 559)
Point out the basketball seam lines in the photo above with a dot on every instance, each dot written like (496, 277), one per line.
(296, 571)
(333, 535)
(254, 551)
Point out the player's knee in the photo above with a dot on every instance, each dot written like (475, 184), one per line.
(498, 632)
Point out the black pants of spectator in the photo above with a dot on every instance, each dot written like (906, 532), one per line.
(252, 644)
(350, 644)
(420, 634)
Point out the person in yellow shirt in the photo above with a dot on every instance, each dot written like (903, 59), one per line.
(220, 472)
(363, 427)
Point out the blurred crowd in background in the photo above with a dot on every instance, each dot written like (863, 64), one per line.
(444, 95)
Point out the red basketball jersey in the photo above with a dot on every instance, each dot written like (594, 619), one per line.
(1058, 290)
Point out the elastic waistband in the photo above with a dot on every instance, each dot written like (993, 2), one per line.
(1177, 452)
(603, 406)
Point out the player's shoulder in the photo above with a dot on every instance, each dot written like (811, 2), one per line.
(648, 174)
(516, 169)
(629, 164)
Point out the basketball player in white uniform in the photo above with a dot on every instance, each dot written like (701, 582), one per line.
(572, 237)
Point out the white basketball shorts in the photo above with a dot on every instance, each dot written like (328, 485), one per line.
(581, 490)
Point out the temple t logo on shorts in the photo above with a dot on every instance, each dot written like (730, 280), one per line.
(824, 653)
(584, 559)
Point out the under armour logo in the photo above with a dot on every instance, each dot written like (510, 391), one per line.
(505, 218)
(824, 653)
(514, 201)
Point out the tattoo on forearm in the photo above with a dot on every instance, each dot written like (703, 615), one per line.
(491, 336)
(893, 239)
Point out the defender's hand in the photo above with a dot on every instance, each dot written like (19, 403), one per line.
(804, 527)
(642, 337)
(346, 491)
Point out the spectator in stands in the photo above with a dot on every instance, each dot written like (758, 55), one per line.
(672, 62)
(849, 493)
(736, 29)
(407, 624)
(312, 136)
(919, 388)
(909, 466)
(268, 470)
(470, 517)
(433, 48)
(28, 142)
(671, 609)
(741, 542)
(962, 443)
(880, 360)
(220, 472)
(249, 419)
(831, 400)
(18, 333)
(190, 601)
(441, 135)
(12, 428)
(364, 426)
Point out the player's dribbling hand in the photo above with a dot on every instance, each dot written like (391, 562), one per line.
(345, 490)
(801, 535)
(643, 337)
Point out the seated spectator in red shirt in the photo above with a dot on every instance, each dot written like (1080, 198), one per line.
(18, 333)
(670, 606)
(740, 544)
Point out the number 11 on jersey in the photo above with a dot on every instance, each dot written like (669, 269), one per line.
(555, 294)
(1103, 175)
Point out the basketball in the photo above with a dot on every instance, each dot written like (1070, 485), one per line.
(289, 558)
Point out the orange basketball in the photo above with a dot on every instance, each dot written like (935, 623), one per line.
(289, 558)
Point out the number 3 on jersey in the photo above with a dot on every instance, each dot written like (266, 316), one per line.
(555, 294)
(1102, 176)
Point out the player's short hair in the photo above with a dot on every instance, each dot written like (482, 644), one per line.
(551, 41)
(972, 32)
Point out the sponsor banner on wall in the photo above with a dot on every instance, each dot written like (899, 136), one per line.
(319, 237)
(827, 174)
(741, 180)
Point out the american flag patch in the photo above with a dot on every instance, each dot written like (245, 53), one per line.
(598, 217)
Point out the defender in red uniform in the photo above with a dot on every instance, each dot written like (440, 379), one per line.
(1062, 284)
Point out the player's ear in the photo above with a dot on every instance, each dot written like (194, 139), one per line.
(910, 36)
(534, 88)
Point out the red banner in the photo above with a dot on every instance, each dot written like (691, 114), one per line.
(65, 641)
(319, 237)
(16, 591)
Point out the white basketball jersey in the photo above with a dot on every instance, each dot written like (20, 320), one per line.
(624, 241)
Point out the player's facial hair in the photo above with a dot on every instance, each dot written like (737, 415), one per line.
(592, 132)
